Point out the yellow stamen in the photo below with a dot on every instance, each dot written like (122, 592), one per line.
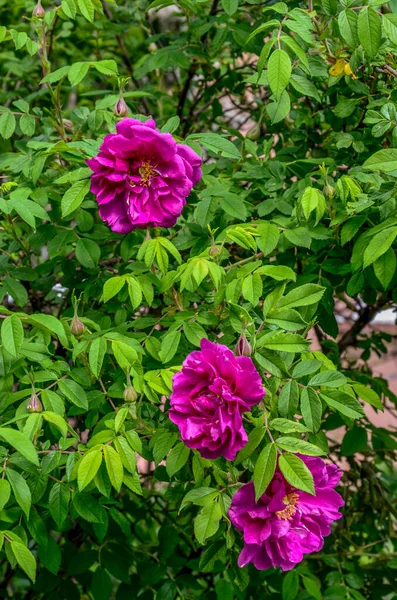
(146, 171)
(290, 501)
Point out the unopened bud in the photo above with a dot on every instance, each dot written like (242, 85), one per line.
(243, 347)
(152, 47)
(38, 11)
(214, 250)
(254, 132)
(329, 191)
(121, 108)
(77, 328)
(68, 125)
(34, 404)
(129, 394)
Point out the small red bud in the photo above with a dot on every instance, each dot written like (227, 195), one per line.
(77, 328)
(34, 404)
(38, 11)
(243, 347)
(129, 394)
(68, 125)
(254, 132)
(121, 108)
(214, 250)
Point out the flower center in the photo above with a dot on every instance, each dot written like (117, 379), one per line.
(147, 171)
(290, 501)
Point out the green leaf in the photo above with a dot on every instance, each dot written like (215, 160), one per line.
(194, 332)
(383, 160)
(200, 496)
(206, 524)
(88, 467)
(269, 236)
(286, 318)
(88, 507)
(58, 502)
(311, 409)
(17, 440)
(77, 72)
(306, 367)
(344, 403)
(73, 392)
(12, 335)
(283, 342)
(51, 324)
(112, 287)
(369, 395)
(27, 124)
(233, 205)
(277, 272)
(264, 470)
(16, 290)
(328, 379)
(217, 144)
(20, 489)
(114, 467)
(389, 22)
(107, 67)
(369, 30)
(272, 23)
(304, 295)
(56, 75)
(25, 559)
(88, 253)
(74, 197)
(5, 491)
(124, 354)
(296, 445)
(287, 426)
(347, 21)
(56, 420)
(7, 124)
(135, 292)
(177, 458)
(288, 399)
(279, 109)
(96, 355)
(290, 587)
(378, 245)
(296, 473)
(310, 200)
(252, 288)
(230, 6)
(385, 267)
(127, 455)
(279, 72)
(87, 9)
(169, 345)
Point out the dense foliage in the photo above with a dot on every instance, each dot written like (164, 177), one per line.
(292, 224)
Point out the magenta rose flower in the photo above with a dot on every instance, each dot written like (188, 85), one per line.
(142, 177)
(286, 523)
(209, 396)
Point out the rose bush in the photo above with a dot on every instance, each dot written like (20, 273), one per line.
(198, 227)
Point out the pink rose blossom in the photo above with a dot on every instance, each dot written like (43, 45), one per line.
(142, 177)
(209, 396)
(286, 523)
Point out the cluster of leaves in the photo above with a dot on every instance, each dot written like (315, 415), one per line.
(292, 222)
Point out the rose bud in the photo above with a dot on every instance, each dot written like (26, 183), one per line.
(34, 404)
(254, 132)
(129, 394)
(121, 108)
(68, 125)
(38, 11)
(243, 347)
(77, 328)
(215, 250)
